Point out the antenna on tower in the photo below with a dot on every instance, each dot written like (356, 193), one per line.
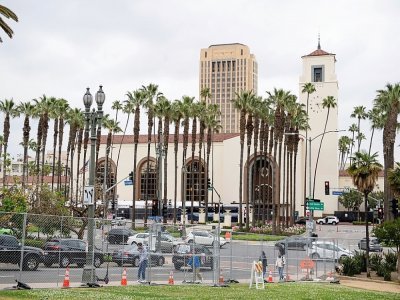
(319, 41)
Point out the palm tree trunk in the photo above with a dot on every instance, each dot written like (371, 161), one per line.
(370, 142)
(366, 234)
(53, 167)
(60, 142)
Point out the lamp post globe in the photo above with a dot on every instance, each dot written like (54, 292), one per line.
(87, 99)
(100, 97)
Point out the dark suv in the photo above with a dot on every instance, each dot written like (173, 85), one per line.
(119, 235)
(69, 251)
(11, 249)
(183, 251)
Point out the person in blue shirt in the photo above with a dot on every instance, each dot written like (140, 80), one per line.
(195, 263)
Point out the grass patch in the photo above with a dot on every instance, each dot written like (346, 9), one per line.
(257, 237)
(238, 291)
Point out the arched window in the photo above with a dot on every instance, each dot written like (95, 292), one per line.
(196, 182)
(148, 181)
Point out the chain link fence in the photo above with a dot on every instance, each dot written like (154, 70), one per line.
(40, 250)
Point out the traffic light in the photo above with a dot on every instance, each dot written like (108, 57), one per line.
(154, 208)
(208, 183)
(131, 176)
(164, 210)
(394, 207)
(326, 187)
(112, 205)
(216, 208)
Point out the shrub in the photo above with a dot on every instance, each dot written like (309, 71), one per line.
(384, 271)
(38, 243)
(349, 266)
(360, 262)
(391, 260)
(375, 261)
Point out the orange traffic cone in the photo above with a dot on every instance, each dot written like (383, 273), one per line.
(66, 279)
(221, 278)
(228, 236)
(171, 278)
(270, 279)
(123, 279)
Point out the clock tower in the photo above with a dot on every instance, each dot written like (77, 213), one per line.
(319, 69)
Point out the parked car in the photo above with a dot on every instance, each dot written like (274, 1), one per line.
(130, 255)
(119, 235)
(328, 220)
(328, 250)
(374, 245)
(120, 221)
(11, 250)
(183, 251)
(301, 221)
(203, 237)
(69, 251)
(167, 241)
(296, 242)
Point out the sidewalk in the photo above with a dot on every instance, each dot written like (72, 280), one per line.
(370, 284)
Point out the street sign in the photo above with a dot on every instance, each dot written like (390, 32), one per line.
(128, 182)
(210, 188)
(337, 193)
(88, 195)
(315, 205)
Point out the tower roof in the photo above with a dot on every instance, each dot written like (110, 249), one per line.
(319, 51)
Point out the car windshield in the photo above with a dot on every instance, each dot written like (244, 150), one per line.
(183, 249)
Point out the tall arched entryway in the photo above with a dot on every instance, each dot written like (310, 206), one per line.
(261, 187)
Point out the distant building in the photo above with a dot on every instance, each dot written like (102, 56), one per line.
(227, 69)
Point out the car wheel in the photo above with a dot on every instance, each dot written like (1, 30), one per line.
(177, 267)
(190, 241)
(333, 223)
(136, 262)
(31, 263)
(320, 223)
(315, 256)
(133, 243)
(97, 261)
(160, 261)
(65, 262)
(119, 264)
(80, 265)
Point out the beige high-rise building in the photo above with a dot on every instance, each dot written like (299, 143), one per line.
(226, 69)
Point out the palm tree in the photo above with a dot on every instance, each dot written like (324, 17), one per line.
(9, 14)
(344, 149)
(364, 171)
(133, 104)
(241, 103)
(9, 109)
(63, 110)
(328, 102)
(205, 95)
(117, 106)
(359, 113)
(388, 101)
(308, 88)
(28, 110)
(176, 116)
(152, 95)
(113, 128)
(1, 150)
(195, 112)
(353, 129)
(252, 107)
(376, 118)
(278, 97)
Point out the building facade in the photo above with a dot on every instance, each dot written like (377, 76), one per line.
(227, 69)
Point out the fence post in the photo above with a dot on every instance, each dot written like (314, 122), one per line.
(23, 246)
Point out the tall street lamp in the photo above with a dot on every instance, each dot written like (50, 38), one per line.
(92, 119)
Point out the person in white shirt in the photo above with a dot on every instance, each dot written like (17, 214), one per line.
(280, 264)
(142, 262)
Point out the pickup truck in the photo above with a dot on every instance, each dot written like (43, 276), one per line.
(11, 250)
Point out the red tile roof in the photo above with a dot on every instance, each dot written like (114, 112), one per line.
(318, 52)
(128, 139)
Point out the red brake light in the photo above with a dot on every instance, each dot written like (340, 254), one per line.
(54, 247)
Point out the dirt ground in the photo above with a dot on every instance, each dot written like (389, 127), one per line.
(370, 284)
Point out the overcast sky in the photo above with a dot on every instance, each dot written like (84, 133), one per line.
(61, 47)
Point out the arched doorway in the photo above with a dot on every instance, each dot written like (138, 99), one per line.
(262, 186)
